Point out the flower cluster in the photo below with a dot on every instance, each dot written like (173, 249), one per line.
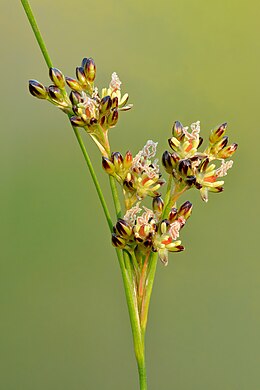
(85, 107)
(139, 176)
(191, 168)
(143, 230)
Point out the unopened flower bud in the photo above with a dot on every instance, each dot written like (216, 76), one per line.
(108, 165)
(112, 118)
(158, 204)
(105, 104)
(76, 121)
(37, 89)
(217, 133)
(177, 130)
(166, 161)
(123, 228)
(185, 210)
(81, 75)
(117, 241)
(185, 167)
(172, 214)
(90, 69)
(55, 93)
(75, 98)
(128, 159)
(73, 84)
(83, 63)
(117, 159)
(57, 77)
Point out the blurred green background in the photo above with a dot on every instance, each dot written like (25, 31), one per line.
(64, 322)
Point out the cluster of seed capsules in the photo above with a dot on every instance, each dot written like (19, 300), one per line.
(85, 107)
(148, 231)
(139, 176)
(191, 168)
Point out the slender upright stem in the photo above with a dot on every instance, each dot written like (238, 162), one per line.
(142, 376)
(148, 290)
(115, 196)
(94, 178)
(38, 36)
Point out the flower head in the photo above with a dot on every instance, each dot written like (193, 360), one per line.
(191, 168)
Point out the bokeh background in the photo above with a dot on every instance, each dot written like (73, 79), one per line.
(63, 317)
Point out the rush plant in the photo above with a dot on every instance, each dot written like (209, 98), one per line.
(140, 235)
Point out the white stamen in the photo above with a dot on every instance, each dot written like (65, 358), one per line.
(142, 161)
(131, 214)
(195, 130)
(222, 170)
(115, 82)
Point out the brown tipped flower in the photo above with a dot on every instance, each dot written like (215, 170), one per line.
(90, 69)
(112, 118)
(167, 162)
(37, 89)
(177, 130)
(185, 167)
(73, 84)
(57, 77)
(228, 151)
(76, 121)
(217, 133)
(173, 214)
(128, 159)
(123, 228)
(117, 241)
(55, 93)
(81, 75)
(105, 104)
(107, 165)
(185, 210)
(158, 205)
(75, 98)
(117, 160)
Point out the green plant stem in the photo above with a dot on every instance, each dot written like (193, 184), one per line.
(132, 301)
(94, 178)
(148, 291)
(142, 376)
(116, 200)
(38, 36)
